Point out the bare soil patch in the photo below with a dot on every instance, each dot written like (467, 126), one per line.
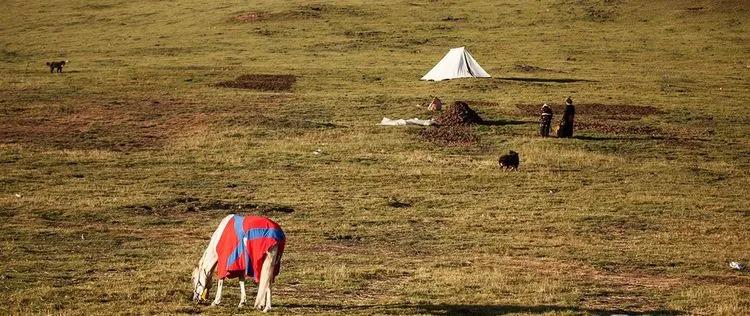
(263, 82)
(619, 119)
(133, 125)
(115, 126)
(615, 127)
(608, 111)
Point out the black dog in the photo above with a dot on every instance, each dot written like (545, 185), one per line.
(56, 65)
(509, 161)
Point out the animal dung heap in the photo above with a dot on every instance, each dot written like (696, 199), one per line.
(459, 113)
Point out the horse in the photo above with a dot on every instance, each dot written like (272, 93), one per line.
(241, 247)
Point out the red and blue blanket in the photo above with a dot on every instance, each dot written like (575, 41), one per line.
(243, 246)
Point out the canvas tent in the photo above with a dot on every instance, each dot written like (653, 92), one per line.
(457, 63)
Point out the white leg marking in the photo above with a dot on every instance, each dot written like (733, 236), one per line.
(268, 298)
(263, 300)
(243, 297)
(260, 297)
(217, 300)
(271, 266)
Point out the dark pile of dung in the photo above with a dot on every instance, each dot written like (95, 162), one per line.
(459, 113)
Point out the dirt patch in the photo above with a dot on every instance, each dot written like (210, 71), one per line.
(598, 110)
(136, 125)
(194, 204)
(459, 113)
(261, 82)
(615, 127)
(115, 126)
(449, 135)
(618, 119)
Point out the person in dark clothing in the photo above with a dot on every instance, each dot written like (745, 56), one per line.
(566, 125)
(545, 122)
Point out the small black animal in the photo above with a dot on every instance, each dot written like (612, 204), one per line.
(509, 161)
(56, 65)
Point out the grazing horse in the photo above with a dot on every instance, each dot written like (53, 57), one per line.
(241, 247)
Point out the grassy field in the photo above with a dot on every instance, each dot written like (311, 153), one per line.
(114, 173)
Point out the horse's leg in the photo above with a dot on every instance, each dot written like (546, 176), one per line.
(217, 300)
(268, 297)
(273, 254)
(243, 297)
(263, 299)
(261, 296)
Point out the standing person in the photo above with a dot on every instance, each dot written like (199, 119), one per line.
(545, 122)
(566, 125)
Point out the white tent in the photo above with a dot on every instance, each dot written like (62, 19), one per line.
(457, 63)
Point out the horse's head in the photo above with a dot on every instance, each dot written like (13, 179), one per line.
(201, 284)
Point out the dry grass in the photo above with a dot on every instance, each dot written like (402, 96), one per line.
(114, 173)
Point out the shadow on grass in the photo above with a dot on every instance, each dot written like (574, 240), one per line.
(634, 138)
(555, 80)
(588, 137)
(511, 309)
(456, 309)
(505, 122)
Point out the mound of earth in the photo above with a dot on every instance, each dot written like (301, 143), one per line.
(613, 111)
(261, 82)
(459, 113)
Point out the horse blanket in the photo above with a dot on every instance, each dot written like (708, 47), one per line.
(243, 245)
